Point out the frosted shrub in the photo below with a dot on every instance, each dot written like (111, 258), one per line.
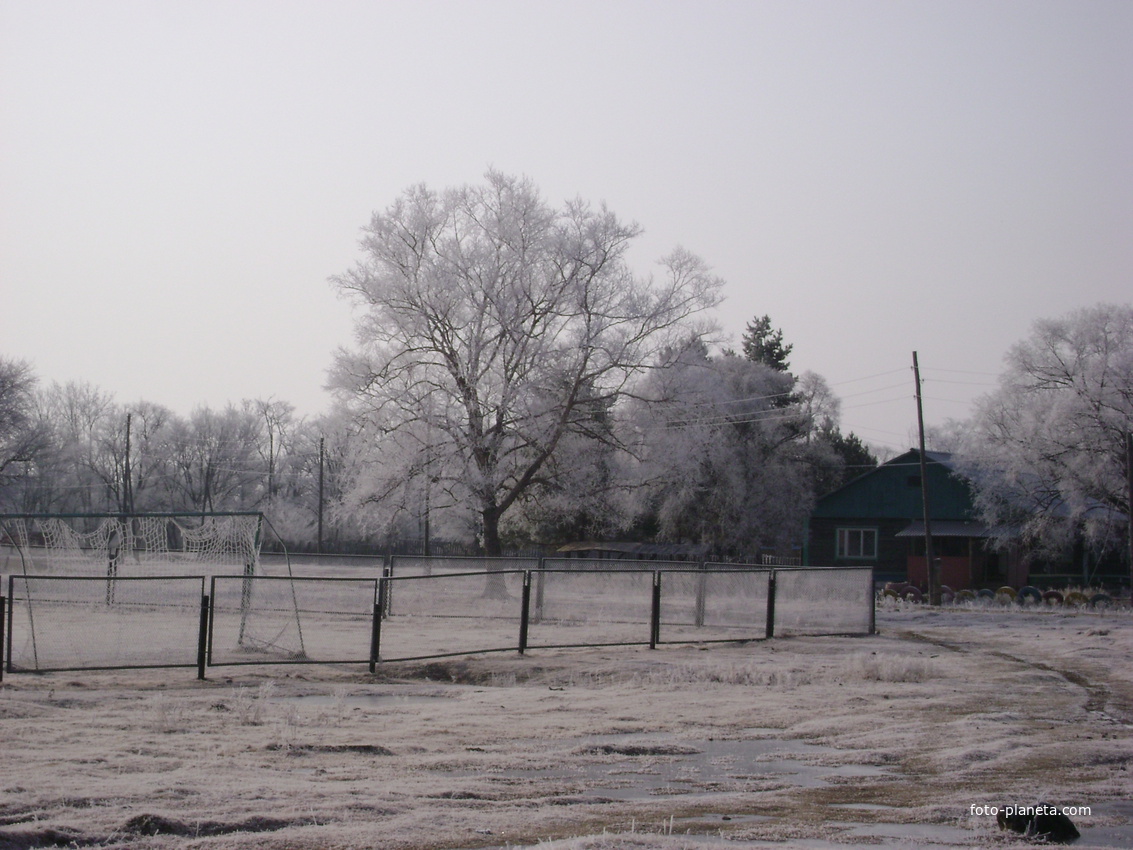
(250, 708)
(169, 714)
(892, 668)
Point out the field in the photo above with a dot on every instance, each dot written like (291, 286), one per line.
(816, 742)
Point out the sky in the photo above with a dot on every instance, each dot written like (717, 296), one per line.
(179, 180)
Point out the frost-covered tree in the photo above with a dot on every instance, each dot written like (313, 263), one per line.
(73, 474)
(1046, 450)
(490, 325)
(276, 418)
(721, 463)
(22, 436)
(213, 459)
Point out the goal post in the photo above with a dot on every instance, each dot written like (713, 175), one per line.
(140, 544)
(119, 546)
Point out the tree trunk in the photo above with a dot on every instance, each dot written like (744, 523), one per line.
(496, 586)
(490, 519)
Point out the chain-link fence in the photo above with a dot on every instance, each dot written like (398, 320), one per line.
(401, 566)
(452, 613)
(823, 601)
(433, 608)
(714, 604)
(277, 620)
(70, 623)
(591, 607)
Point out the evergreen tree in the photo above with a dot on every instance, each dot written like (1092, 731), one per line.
(763, 345)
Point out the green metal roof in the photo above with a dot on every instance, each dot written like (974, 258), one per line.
(893, 491)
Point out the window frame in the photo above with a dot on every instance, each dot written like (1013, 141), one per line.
(842, 549)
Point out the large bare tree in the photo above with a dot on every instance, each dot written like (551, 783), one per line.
(491, 326)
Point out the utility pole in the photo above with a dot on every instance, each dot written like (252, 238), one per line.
(322, 445)
(933, 567)
(127, 485)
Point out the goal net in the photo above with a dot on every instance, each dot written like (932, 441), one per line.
(118, 545)
(124, 547)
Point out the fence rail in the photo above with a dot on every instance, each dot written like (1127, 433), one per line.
(415, 610)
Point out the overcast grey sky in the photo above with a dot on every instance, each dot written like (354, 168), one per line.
(179, 179)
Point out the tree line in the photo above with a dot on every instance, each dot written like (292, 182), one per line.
(71, 448)
(517, 385)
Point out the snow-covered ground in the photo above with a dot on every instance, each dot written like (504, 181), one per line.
(887, 740)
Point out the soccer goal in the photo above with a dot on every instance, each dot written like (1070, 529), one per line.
(115, 549)
(122, 545)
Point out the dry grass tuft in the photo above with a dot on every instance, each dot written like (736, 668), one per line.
(892, 668)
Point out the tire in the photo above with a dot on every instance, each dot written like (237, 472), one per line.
(912, 594)
(965, 595)
(1029, 592)
(1052, 597)
(890, 593)
(1076, 597)
(985, 596)
(1009, 592)
(1103, 600)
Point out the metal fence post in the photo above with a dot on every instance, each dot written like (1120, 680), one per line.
(7, 625)
(655, 619)
(872, 602)
(203, 635)
(771, 605)
(525, 611)
(376, 626)
(4, 643)
(701, 591)
(212, 617)
(386, 596)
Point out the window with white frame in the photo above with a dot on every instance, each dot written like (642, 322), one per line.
(857, 542)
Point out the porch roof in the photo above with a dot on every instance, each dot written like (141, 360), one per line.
(947, 528)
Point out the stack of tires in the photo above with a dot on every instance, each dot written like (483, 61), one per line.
(1025, 596)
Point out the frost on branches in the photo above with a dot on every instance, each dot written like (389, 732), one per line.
(1047, 449)
(493, 331)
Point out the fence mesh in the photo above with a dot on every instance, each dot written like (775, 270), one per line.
(86, 623)
(321, 566)
(272, 619)
(451, 614)
(612, 564)
(818, 601)
(402, 566)
(714, 605)
(590, 607)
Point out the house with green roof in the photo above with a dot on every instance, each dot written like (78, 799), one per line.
(878, 520)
